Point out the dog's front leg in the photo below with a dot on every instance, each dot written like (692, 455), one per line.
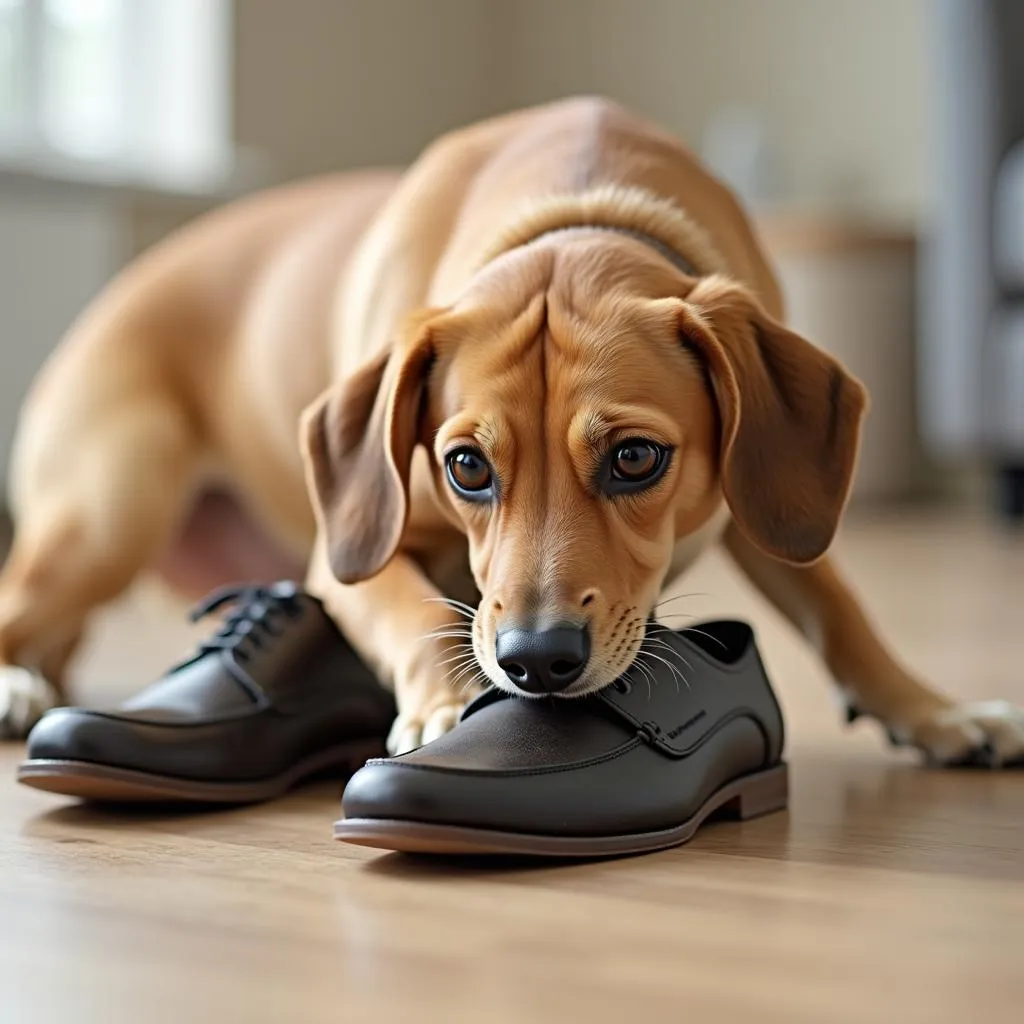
(399, 624)
(821, 605)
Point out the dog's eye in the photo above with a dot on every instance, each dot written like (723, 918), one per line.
(469, 473)
(635, 464)
(635, 460)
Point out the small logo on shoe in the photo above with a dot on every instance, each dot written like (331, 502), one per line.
(680, 729)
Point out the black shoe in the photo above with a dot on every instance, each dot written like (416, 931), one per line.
(630, 768)
(275, 696)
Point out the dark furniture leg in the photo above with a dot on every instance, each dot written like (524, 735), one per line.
(1010, 491)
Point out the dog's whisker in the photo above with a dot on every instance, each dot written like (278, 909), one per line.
(467, 681)
(461, 640)
(473, 679)
(673, 617)
(681, 597)
(453, 681)
(462, 662)
(651, 669)
(480, 677)
(657, 627)
(461, 656)
(638, 663)
(701, 632)
(462, 627)
(646, 669)
(460, 647)
(454, 602)
(461, 651)
(669, 666)
(651, 681)
(669, 648)
(457, 634)
(457, 659)
(466, 610)
(470, 614)
(650, 633)
(463, 671)
(674, 622)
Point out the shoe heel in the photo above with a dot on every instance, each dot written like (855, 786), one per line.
(763, 793)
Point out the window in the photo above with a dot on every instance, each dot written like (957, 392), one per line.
(141, 86)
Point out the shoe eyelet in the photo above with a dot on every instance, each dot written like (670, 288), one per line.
(624, 686)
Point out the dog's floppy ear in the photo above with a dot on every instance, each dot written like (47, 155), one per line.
(790, 421)
(357, 440)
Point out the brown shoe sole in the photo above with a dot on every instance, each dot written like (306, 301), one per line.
(108, 784)
(743, 798)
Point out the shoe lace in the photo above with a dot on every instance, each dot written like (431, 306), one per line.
(256, 614)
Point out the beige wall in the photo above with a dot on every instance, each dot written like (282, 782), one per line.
(842, 83)
(339, 83)
(324, 85)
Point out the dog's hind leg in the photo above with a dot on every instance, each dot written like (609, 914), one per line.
(99, 484)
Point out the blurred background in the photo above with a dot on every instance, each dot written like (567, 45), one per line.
(876, 140)
(880, 146)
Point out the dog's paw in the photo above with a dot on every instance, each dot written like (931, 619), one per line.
(982, 733)
(24, 697)
(418, 726)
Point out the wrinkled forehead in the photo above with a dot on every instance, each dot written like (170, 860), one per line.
(554, 360)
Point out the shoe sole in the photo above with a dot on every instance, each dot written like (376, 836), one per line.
(107, 784)
(747, 797)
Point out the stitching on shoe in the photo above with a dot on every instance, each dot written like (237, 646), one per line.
(611, 755)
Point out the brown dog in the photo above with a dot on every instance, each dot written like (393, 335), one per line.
(553, 345)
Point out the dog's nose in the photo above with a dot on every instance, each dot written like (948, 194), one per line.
(543, 661)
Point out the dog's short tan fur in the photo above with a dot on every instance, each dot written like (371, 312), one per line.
(396, 316)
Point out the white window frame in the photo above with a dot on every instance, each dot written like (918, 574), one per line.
(172, 127)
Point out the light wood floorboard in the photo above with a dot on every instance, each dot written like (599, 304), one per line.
(887, 893)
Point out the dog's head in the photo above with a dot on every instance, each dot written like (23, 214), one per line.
(584, 407)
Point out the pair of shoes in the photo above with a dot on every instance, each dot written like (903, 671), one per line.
(275, 696)
(637, 766)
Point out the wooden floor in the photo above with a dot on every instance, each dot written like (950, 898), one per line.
(888, 893)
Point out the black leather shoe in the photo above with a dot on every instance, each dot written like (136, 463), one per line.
(633, 767)
(275, 696)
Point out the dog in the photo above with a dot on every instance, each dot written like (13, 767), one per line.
(491, 405)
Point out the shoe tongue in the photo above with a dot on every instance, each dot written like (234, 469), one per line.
(192, 692)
